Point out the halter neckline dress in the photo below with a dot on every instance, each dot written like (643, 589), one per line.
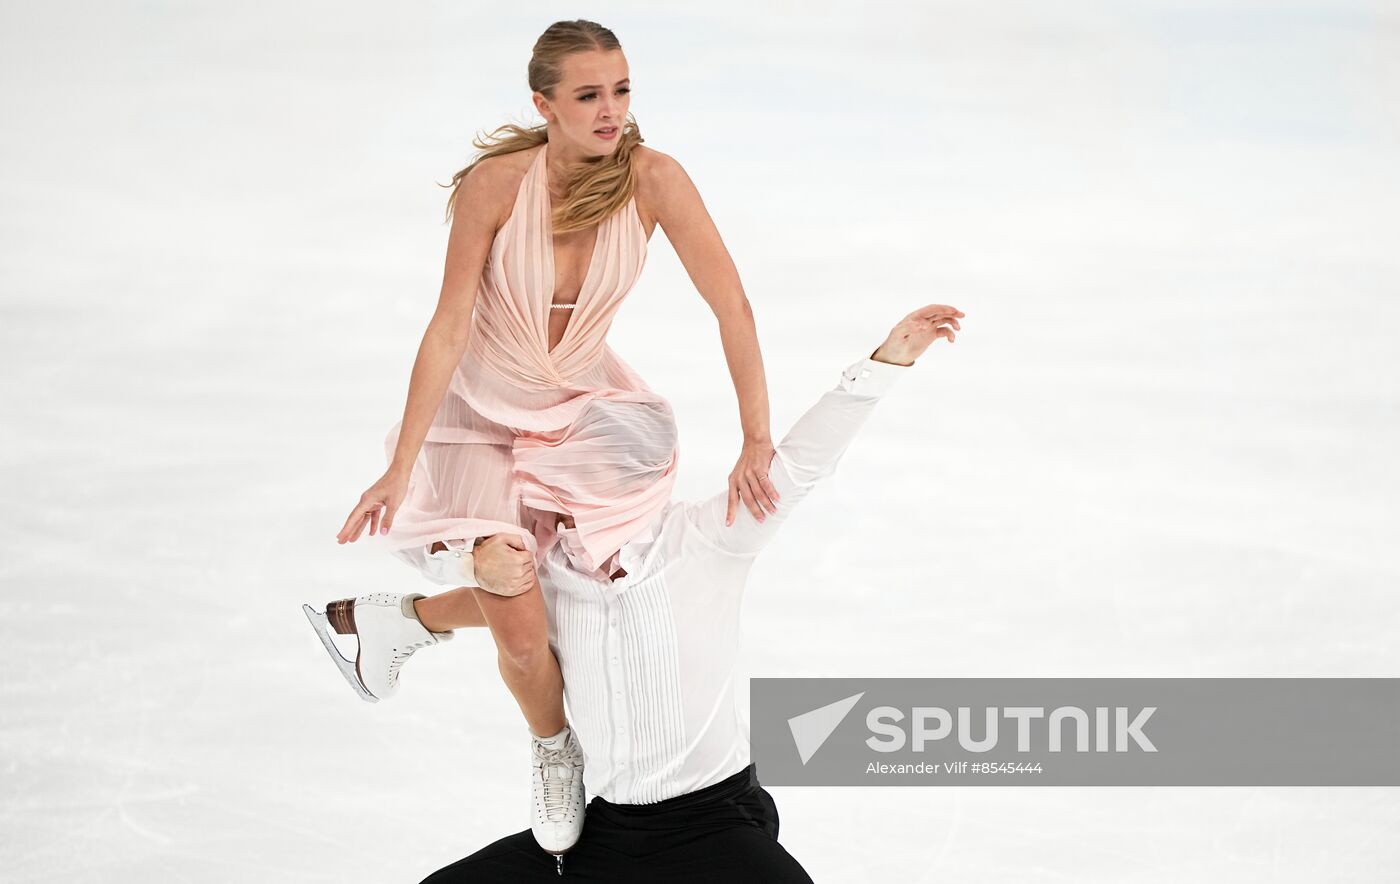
(515, 438)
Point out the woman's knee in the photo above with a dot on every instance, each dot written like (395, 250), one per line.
(524, 658)
(520, 631)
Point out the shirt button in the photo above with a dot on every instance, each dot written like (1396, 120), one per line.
(614, 659)
(612, 622)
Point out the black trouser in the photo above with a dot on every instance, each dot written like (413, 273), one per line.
(727, 832)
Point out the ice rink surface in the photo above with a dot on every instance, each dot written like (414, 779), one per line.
(1162, 445)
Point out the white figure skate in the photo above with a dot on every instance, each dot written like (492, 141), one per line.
(387, 632)
(556, 812)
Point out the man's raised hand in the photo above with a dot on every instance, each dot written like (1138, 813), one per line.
(908, 340)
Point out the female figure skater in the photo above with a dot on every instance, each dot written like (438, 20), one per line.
(504, 431)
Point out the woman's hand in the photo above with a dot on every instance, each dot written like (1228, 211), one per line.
(376, 508)
(749, 481)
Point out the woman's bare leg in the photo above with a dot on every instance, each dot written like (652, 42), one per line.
(453, 609)
(517, 624)
(527, 664)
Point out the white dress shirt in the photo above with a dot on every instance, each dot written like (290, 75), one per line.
(650, 661)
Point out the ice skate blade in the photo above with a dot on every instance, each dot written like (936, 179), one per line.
(346, 667)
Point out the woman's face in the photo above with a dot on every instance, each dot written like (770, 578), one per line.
(593, 95)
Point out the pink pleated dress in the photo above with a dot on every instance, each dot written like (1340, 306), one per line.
(524, 432)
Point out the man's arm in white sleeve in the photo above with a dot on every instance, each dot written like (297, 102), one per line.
(807, 454)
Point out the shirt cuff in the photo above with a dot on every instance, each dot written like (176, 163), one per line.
(454, 566)
(871, 378)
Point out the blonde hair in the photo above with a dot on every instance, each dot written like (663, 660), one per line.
(596, 187)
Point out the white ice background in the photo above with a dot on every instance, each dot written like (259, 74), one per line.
(1162, 445)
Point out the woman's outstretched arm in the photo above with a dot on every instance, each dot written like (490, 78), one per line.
(479, 205)
(692, 233)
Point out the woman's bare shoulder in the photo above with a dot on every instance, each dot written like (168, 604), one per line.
(661, 181)
(494, 182)
(653, 166)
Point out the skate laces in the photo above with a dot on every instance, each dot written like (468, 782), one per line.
(558, 787)
(402, 654)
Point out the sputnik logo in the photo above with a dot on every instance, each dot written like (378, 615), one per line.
(811, 729)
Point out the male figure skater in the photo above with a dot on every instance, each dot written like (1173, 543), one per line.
(649, 662)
